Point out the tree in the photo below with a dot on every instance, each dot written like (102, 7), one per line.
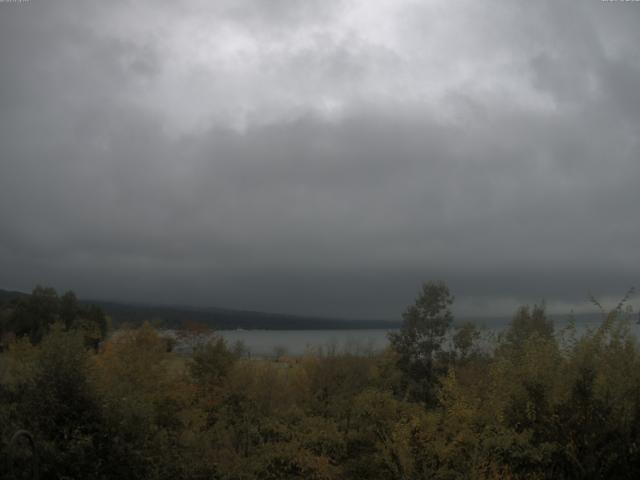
(69, 309)
(528, 322)
(93, 324)
(60, 408)
(34, 315)
(464, 339)
(420, 339)
(144, 400)
(211, 363)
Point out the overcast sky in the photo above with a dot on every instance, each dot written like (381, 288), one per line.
(321, 157)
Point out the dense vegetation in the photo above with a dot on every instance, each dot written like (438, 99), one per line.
(539, 404)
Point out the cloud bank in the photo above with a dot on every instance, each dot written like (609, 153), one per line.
(321, 157)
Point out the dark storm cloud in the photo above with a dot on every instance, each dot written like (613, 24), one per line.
(321, 157)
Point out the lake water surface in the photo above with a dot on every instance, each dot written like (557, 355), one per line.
(297, 342)
(265, 343)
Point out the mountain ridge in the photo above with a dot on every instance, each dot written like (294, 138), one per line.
(219, 318)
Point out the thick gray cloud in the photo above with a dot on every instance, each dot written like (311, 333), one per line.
(321, 157)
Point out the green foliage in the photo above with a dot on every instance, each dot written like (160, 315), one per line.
(536, 405)
(52, 397)
(212, 362)
(33, 315)
(528, 322)
(420, 339)
(465, 339)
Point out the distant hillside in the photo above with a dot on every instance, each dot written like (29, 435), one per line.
(218, 318)
(227, 319)
(9, 294)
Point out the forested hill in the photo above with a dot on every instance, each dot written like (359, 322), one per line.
(218, 318)
(226, 319)
(179, 316)
(9, 294)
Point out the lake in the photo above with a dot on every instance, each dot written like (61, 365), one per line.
(266, 343)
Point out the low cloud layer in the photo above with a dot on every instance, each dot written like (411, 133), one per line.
(321, 157)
